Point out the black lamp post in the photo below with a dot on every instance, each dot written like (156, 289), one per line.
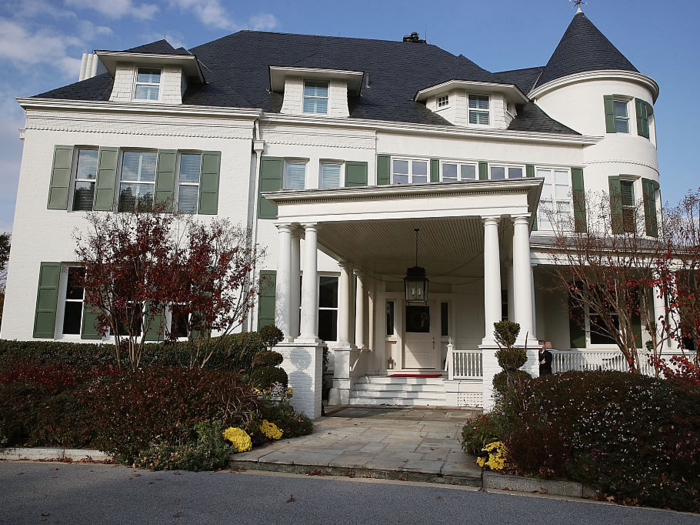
(415, 282)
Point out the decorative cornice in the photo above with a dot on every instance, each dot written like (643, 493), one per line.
(618, 161)
(587, 76)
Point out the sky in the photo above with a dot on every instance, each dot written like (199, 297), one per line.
(42, 41)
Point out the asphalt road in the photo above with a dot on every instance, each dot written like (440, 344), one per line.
(76, 494)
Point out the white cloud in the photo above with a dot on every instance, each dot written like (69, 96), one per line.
(11, 119)
(35, 8)
(116, 8)
(45, 46)
(213, 14)
(89, 31)
(263, 22)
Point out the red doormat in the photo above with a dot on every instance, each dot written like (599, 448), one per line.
(416, 375)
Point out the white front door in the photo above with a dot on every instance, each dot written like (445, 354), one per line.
(421, 340)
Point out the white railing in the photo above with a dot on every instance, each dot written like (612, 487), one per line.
(583, 360)
(463, 364)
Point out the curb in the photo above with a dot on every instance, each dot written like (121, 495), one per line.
(571, 489)
(54, 454)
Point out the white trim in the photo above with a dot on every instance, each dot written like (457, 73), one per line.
(278, 74)
(331, 162)
(159, 84)
(613, 74)
(506, 167)
(469, 85)
(189, 63)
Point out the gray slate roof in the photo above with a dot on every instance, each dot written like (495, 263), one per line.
(523, 78)
(236, 69)
(583, 48)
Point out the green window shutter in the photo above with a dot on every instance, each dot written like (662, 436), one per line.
(650, 219)
(529, 171)
(266, 305)
(577, 333)
(483, 170)
(47, 300)
(209, 183)
(60, 178)
(579, 197)
(165, 176)
(107, 161)
(609, 102)
(383, 170)
(615, 204)
(434, 170)
(271, 170)
(642, 118)
(355, 174)
(88, 329)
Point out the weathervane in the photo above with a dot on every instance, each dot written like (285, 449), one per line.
(578, 4)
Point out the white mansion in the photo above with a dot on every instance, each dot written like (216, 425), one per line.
(334, 151)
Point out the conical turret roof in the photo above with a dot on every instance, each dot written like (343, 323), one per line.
(583, 48)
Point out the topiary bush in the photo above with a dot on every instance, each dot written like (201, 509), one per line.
(506, 333)
(503, 380)
(265, 377)
(267, 358)
(636, 437)
(271, 335)
(510, 359)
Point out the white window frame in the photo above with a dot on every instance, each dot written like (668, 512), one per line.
(74, 176)
(330, 162)
(443, 101)
(626, 118)
(459, 164)
(507, 167)
(61, 310)
(287, 162)
(551, 204)
(158, 84)
(471, 110)
(335, 309)
(304, 97)
(410, 174)
(120, 167)
(178, 184)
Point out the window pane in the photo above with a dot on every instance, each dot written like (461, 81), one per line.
(187, 199)
(139, 166)
(330, 175)
(418, 319)
(468, 172)
(328, 325)
(74, 288)
(419, 179)
(479, 117)
(316, 89)
(72, 316)
(627, 189)
(562, 192)
(449, 172)
(400, 179)
(328, 292)
(620, 108)
(478, 102)
(296, 176)
(546, 191)
(390, 318)
(498, 173)
(401, 166)
(420, 167)
(189, 167)
(144, 92)
(135, 195)
(444, 319)
(87, 164)
(178, 325)
(515, 173)
(544, 173)
(315, 105)
(152, 76)
(561, 177)
(83, 195)
(622, 125)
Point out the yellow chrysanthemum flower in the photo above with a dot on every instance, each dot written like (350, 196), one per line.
(239, 438)
(496, 459)
(270, 430)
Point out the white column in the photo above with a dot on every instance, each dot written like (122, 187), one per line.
(283, 288)
(309, 292)
(492, 278)
(295, 297)
(522, 277)
(360, 311)
(344, 304)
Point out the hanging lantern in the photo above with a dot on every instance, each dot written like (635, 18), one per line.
(416, 282)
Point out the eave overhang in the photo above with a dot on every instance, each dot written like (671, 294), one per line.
(189, 63)
(279, 73)
(587, 76)
(511, 92)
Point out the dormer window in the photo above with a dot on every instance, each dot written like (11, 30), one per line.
(479, 110)
(443, 101)
(315, 97)
(147, 84)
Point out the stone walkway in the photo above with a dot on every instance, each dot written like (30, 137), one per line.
(411, 443)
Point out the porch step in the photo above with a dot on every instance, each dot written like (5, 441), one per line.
(393, 387)
(399, 391)
(401, 380)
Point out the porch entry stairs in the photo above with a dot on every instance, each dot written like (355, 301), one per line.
(399, 391)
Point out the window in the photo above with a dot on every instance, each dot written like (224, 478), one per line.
(409, 171)
(501, 172)
(73, 306)
(179, 318)
(137, 180)
(622, 124)
(330, 175)
(315, 97)
(454, 171)
(294, 175)
(555, 201)
(479, 109)
(443, 101)
(188, 182)
(418, 319)
(444, 319)
(628, 206)
(147, 84)
(85, 176)
(390, 309)
(328, 308)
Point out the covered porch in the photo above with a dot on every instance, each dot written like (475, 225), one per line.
(473, 241)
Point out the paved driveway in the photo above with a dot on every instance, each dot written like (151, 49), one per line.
(410, 443)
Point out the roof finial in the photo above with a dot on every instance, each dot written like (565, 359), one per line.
(578, 4)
